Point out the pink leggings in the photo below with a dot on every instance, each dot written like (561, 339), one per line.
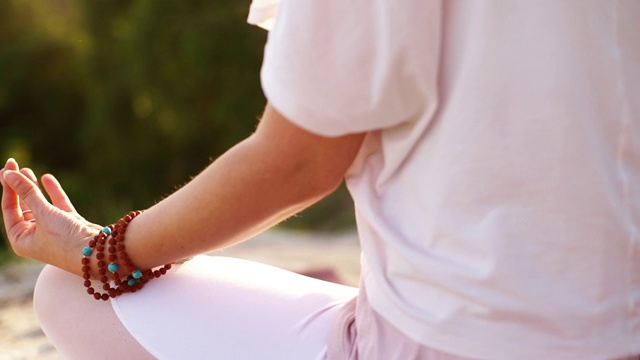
(220, 308)
(208, 308)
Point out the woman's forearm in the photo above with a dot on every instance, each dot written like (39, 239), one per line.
(226, 203)
(275, 173)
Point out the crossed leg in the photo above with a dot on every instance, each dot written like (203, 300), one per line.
(78, 326)
(210, 307)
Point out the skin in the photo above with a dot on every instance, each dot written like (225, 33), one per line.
(273, 174)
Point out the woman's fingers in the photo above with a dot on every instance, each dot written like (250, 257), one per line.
(57, 193)
(31, 176)
(10, 165)
(11, 212)
(26, 191)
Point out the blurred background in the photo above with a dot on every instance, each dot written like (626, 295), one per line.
(125, 100)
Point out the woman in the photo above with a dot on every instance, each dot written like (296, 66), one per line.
(492, 153)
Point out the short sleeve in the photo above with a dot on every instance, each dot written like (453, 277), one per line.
(262, 13)
(335, 67)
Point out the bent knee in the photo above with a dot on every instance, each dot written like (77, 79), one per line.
(54, 292)
(73, 320)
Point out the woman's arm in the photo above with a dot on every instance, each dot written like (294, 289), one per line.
(276, 172)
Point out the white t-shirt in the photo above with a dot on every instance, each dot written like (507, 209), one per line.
(498, 190)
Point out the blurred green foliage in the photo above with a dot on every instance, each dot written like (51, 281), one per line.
(125, 100)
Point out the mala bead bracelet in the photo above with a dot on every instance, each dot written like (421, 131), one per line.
(112, 238)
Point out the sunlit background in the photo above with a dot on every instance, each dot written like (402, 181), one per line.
(126, 100)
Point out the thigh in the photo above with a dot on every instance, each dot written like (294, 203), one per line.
(224, 308)
(76, 324)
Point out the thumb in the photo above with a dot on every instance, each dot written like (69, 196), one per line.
(27, 191)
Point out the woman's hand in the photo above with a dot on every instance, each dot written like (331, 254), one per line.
(54, 232)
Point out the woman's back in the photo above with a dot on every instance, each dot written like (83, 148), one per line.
(527, 186)
(499, 202)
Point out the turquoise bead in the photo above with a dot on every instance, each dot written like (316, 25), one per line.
(86, 251)
(131, 282)
(106, 230)
(137, 274)
(113, 267)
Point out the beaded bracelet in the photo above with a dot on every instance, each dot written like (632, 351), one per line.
(113, 235)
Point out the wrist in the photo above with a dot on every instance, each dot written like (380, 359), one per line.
(73, 255)
(115, 270)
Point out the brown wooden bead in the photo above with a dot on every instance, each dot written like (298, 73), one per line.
(105, 297)
(100, 248)
(112, 241)
(101, 264)
(112, 293)
(85, 261)
(106, 286)
(90, 291)
(167, 266)
(131, 268)
(156, 273)
(96, 296)
(87, 283)
(112, 257)
(120, 247)
(103, 279)
(92, 243)
(102, 271)
(122, 256)
(117, 282)
(86, 276)
(100, 256)
(86, 268)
